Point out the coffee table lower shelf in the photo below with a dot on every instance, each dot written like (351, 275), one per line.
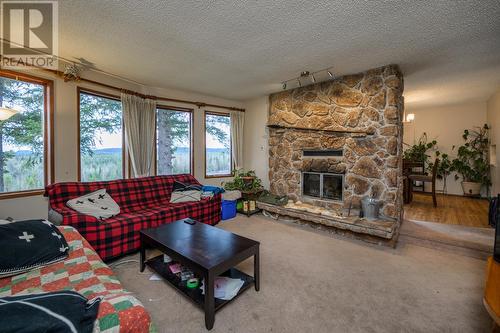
(195, 295)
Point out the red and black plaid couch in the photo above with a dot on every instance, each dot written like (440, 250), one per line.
(144, 203)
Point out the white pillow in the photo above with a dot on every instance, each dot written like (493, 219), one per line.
(185, 196)
(98, 204)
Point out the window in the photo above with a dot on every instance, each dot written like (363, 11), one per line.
(25, 137)
(101, 137)
(173, 143)
(217, 145)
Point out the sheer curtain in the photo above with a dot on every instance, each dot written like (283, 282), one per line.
(237, 123)
(139, 121)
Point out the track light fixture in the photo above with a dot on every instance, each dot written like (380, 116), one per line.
(313, 76)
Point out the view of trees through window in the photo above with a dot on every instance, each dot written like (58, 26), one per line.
(173, 142)
(21, 136)
(100, 138)
(22, 139)
(217, 144)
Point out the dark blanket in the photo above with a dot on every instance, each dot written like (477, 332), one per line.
(62, 311)
(29, 244)
(179, 186)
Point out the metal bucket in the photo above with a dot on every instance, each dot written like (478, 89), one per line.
(370, 208)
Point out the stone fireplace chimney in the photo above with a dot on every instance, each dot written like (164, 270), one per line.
(347, 131)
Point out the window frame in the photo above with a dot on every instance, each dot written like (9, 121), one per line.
(231, 170)
(79, 91)
(48, 131)
(191, 134)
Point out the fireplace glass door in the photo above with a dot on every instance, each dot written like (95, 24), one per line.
(332, 187)
(322, 185)
(311, 184)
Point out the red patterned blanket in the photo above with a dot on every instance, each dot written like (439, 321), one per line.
(84, 272)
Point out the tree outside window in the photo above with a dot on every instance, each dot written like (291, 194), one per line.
(101, 139)
(22, 136)
(173, 141)
(217, 145)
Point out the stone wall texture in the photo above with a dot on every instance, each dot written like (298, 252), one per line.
(365, 110)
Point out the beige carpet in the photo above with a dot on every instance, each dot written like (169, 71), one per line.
(313, 282)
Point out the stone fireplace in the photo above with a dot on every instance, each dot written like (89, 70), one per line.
(335, 142)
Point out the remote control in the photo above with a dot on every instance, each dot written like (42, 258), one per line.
(192, 222)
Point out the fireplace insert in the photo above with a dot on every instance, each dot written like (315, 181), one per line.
(323, 185)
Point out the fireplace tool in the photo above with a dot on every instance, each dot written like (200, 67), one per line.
(350, 202)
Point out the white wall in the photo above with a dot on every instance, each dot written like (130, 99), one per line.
(65, 136)
(445, 124)
(256, 152)
(493, 116)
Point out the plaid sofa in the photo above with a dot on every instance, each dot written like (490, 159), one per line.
(84, 272)
(144, 203)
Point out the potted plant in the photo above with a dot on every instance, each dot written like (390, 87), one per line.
(418, 151)
(245, 181)
(248, 180)
(472, 163)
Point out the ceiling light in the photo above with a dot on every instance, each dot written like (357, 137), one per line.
(306, 77)
(6, 113)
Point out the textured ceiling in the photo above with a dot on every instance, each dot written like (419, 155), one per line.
(449, 51)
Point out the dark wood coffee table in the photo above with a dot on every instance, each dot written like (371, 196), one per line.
(207, 251)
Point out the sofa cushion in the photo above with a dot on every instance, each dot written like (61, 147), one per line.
(61, 311)
(119, 234)
(98, 204)
(29, 244)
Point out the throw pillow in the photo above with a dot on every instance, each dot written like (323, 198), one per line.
(62, 311)
(98, 204)
(30, 244)
(178, 186)
(185, 196)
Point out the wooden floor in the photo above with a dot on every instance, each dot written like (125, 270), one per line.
(450, 210)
